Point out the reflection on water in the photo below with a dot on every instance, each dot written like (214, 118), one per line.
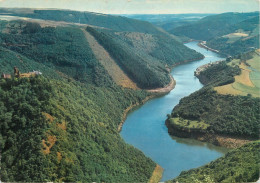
(193, 142)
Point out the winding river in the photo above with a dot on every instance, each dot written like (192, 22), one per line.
(145, 127)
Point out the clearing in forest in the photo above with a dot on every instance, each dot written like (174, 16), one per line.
(109, 63)
(248, 82)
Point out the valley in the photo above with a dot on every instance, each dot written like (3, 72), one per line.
(116, 99)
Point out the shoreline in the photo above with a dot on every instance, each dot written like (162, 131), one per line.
(200, 44)
(157, 174)
(165, 89)
(226, 141)
(154, 93)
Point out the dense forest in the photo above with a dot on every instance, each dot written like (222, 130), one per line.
(41, 120)
(162, 47)
(62, 48)
(235, 116)
(239, 165)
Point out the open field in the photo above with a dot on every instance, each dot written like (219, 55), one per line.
(189, 124)
(235, 36)
(248, 82)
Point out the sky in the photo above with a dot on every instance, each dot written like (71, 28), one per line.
(140, 6)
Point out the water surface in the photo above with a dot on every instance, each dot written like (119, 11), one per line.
(145, 127)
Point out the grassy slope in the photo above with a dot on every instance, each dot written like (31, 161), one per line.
(239, 165)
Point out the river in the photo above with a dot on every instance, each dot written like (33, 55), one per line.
(145, 127)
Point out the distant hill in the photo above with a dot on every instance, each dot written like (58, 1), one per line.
(212, 26)
(168, 21)
(229, 33)
(239, 165)
(239, 38)
(117, 23)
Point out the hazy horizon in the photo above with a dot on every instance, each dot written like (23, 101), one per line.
(139, 6)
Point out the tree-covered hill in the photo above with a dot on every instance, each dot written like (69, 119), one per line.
(145, 73)
(208, 112)
(42, 118)
(59, 130)
(161, 47)
(239, 165)
(62, 48)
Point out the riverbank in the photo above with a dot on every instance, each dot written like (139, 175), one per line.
(165, 89)
(216, 139)
(154, 93)
(203, 45)
(157, 174)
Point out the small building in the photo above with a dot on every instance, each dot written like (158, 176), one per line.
(6, 76)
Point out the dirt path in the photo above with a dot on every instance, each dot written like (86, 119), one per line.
(109, 64)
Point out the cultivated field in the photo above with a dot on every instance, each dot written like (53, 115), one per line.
(248, 82)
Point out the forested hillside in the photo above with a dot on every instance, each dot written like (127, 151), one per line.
(208, 112)
(41, 120)
(239, 165)
(147, 75)
(162, 47)
(144, 57)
